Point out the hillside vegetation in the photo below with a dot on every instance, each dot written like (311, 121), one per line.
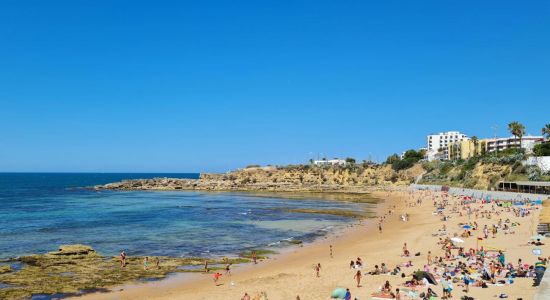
(482, 172)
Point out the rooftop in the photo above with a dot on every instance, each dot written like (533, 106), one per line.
(529, 183)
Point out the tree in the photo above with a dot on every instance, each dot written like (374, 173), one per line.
(517, 130)
(475, 141)
(546, 131)
(392, 158)
(413, 155)
(350, 160)
(542, 149)
(483, 147)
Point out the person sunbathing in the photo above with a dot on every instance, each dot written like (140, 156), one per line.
(376, 271)
(407, 264)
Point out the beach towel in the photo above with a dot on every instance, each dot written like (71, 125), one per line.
(381, 296)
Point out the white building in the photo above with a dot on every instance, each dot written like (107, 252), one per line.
(437, 143)
(499, 144)
(330, 162)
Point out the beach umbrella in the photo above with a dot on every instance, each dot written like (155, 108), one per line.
(338, 293)
(423, 274)
(467, 227)
(430, 277)
(457, 240)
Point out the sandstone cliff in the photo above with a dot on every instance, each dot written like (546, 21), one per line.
(290, 178)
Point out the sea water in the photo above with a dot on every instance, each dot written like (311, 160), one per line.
(40, 211)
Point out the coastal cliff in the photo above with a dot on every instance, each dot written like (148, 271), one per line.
(281, 179)
(478, 172)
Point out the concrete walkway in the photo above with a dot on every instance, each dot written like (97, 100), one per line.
(483, 193)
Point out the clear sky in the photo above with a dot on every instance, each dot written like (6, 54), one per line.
(175, 86)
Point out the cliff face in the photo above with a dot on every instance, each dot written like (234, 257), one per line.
(307, 176)
(295, 178)
(479, 176)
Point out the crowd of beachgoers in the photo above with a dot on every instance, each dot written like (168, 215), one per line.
(423, 245)
(450, 266)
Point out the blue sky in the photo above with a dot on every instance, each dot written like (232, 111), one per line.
(170, 86)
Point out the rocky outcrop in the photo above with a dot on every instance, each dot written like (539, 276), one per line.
(284, 179)
(76, 249)
(75, 269)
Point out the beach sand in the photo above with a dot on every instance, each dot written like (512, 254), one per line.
(292, 274)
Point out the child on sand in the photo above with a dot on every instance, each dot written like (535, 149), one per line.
(228, 269)
(406, 252)
(358, 278)
(217, 276)
(318, 269)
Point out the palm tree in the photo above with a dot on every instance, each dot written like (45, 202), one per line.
(475, 141)
(546, 131)
(517, 130)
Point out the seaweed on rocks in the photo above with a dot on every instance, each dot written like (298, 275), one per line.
(76, 268)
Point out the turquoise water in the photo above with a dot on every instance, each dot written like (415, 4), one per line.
(40, 211)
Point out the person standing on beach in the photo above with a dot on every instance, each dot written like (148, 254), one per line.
(540, 268)
(255, 257)
(228, 269)
(318, 270)
(331, 251)
(358, 278)
(146, 263)
(380, 227)
(205, 266)
(122, 259)
(217, 276)
(348, 295)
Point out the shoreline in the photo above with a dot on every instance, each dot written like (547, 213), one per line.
(188, 281)
(367, 204)
(290, 274)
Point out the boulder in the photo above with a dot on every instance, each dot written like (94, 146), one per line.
(76, 249)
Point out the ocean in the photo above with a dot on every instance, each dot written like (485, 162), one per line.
(40, 211)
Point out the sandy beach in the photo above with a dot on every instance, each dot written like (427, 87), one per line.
(292, 274)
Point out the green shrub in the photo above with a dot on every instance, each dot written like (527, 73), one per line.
(445, 168)
(542, 149)
(402, 164)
